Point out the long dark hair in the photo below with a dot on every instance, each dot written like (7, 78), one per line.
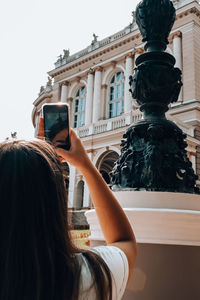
(38, 260)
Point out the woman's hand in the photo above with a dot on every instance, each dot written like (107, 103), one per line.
(77, 155)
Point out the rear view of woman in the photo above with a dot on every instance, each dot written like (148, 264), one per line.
(38, 260)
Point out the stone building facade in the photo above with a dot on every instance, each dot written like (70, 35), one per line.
(95, 84)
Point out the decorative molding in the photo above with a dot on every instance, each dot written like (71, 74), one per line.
(106, 74)
(191, 153)
(90, 71)
(104, 86)
(138, 51)
(98, 69)
(129, 55)
(41, 98)
(83, 81)
(175, 34)
(70, 99)
(136, 38)
(192, 10)
(90, 151)
(66, 83)
(78, 79)
(113, 63)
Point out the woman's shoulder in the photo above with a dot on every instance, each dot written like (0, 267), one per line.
(117, 263)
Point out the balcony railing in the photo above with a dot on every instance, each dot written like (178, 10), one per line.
(123, 121)
(110, 124)
(65, 60)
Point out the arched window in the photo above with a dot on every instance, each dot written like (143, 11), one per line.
(116, 95)
(79, 108)
(105, 165)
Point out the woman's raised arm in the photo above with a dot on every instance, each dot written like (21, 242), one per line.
(113, 221)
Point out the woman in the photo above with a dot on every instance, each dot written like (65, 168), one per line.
(37, 258)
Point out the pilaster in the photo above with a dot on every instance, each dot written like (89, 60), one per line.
(71, 191)
(128, 72)
(189, 67)
(89, 97)
(177, 51)
(104, 95)
(64, 91)
(97, 94)
(69, 102)
(86, 195)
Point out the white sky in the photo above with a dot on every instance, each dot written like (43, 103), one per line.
(32, 34)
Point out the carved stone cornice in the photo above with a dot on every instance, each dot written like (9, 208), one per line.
(136, 38)
(98, 69)
(104, 86)
(42, 98)
(192, 10)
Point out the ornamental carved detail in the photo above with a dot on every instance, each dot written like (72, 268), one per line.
(155, 82)
(153, 157)
(155, 20)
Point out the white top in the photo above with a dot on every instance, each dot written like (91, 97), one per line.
(118, 265)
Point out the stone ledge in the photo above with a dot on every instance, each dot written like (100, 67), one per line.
(157, 217)
(156, 226)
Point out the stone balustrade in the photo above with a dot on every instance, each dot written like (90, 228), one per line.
(109, 124)
(125, 120)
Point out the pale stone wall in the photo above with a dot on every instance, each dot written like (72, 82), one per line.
(197, 136)
(188, 63)
(197, 60)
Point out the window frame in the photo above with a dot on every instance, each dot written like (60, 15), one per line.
(114, 84)
(79, 114)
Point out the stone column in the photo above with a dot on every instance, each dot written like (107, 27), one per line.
(86, 195)
(69, 102)
(89, 98)
(177, 51)
(64, 91)
(71, 191)
(97, 95)
(104, 100)
(37, 119)
(128, 72)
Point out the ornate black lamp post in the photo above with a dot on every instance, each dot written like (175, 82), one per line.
(153, 155)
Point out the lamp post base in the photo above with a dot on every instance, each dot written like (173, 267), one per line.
(153, 158)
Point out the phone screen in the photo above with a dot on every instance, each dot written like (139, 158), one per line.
(56, 125)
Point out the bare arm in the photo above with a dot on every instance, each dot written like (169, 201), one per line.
(113, 221)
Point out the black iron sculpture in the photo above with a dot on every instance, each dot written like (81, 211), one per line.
(153, 155)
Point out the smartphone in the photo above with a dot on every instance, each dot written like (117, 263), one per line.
(56, 124)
